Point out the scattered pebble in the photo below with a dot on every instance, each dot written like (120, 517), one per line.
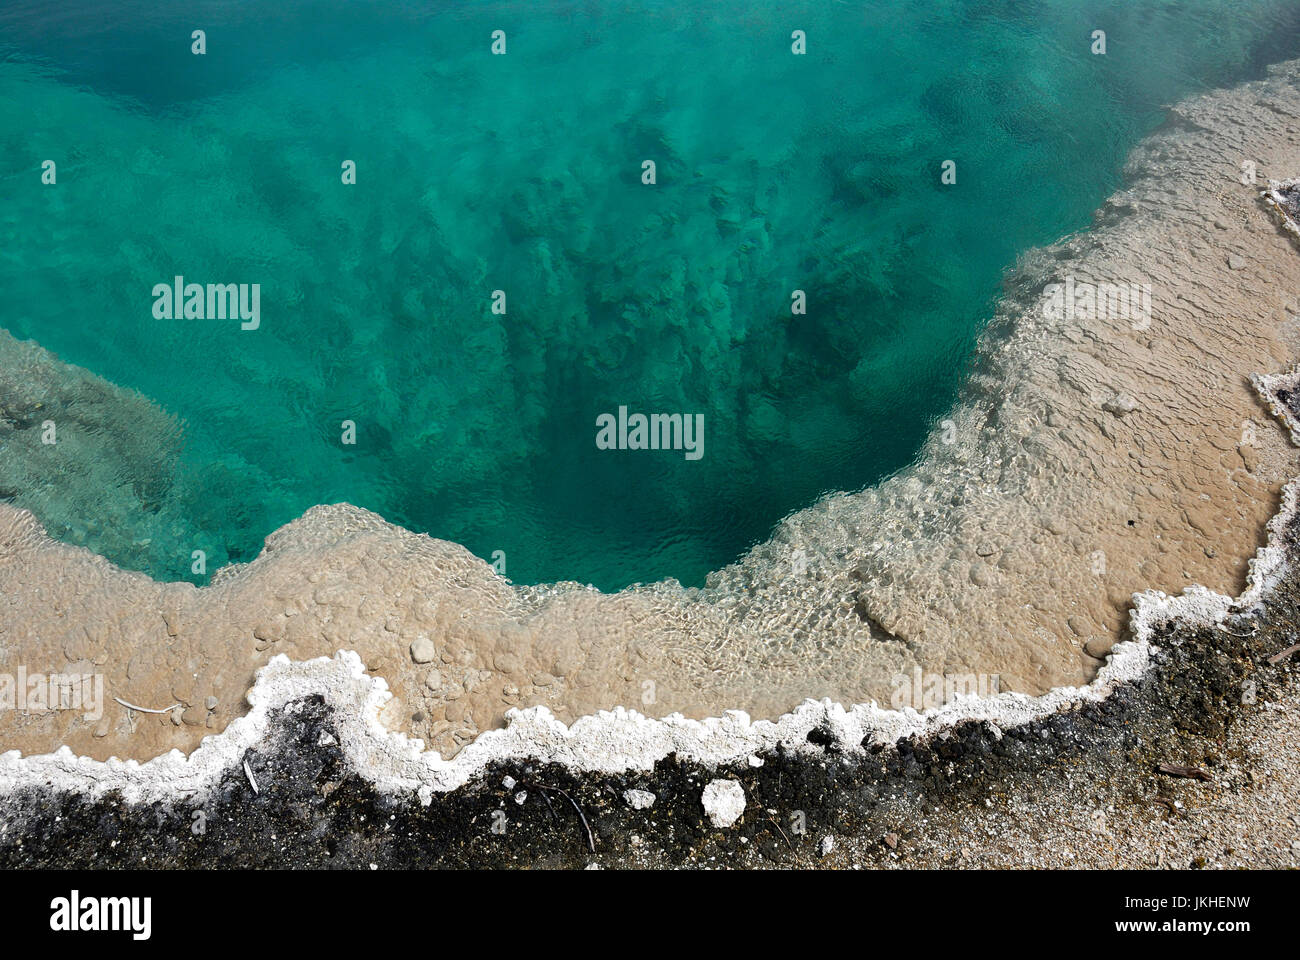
(639, 799)
(422, 649)
(724, 802)
(1120, 405)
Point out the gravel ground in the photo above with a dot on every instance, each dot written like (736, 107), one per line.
(1248, 815)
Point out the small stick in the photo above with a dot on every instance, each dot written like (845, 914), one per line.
(1192, 773)
(1279, 657)
(132, 706)
(1166, 802)
(549, 805)
(782, 832)
(251, 779)
(591, 840)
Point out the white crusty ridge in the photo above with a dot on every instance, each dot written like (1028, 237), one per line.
(608, 741)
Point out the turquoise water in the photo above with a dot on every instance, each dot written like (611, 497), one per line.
(523, 173)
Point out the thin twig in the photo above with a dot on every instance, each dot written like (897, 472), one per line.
(591, 839)
(251, 780)
(132, 706)
(782, 832)
(1191, 773)
(1279, 657)
(549, 806)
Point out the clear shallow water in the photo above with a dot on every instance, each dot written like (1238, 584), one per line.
(522, 173)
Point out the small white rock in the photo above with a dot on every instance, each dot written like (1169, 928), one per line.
(508, 783)
(724, 802)
(639, 799)
(1120, 405)
(827, 845)
(422, 649)
(755, 761)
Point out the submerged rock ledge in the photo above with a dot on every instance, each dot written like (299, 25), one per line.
(1077, 437)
